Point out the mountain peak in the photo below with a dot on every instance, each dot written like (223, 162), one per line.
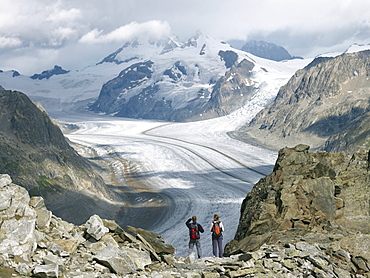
(357, 47)
(267, 50)
(49, 73)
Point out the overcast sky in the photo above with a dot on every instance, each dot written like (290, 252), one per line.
(37, 34)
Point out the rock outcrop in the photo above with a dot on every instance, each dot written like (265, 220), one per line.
(231, 91)
(324, 105)
(319, 198)
(34, 242)
(49, 73)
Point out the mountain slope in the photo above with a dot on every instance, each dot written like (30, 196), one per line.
(34, 152)
(326, 99)
(169, 80)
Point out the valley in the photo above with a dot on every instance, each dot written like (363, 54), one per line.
(174, 171)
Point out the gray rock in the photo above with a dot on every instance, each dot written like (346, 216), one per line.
(37, 202)
(52, 259)
(19, 238)
(122, 260)
(307, 248)
(55, 248)
(95, 227)
(23, 269)
(46, 271)
(43, 218)
(5, 180)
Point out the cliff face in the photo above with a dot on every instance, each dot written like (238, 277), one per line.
(34, 152)
(327, 100)
(314, 197)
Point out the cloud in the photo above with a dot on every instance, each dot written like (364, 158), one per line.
(305, 27)
(61, 34)
(61, 15)
(39, 22)
(153, 28)
(6, 42)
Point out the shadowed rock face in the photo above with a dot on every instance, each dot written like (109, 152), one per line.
(34, 152)
(230, 92)
(315, 197)
(49, 73)
(328, 100)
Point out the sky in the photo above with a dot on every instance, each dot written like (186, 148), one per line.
(37, 34)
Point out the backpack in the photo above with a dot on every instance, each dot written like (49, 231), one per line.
(216, 229)
(193, 230)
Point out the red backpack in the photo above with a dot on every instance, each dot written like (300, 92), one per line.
(193, 231)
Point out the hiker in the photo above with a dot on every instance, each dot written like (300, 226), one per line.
(194, 232)
(217, 228)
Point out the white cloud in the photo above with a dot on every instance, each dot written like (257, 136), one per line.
(304, 27)
(6, 42)
(153, 28)
(62, 15)
(59, 35)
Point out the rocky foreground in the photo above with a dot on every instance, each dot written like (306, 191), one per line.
(34, 242)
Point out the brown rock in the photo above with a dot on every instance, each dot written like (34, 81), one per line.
(154, 239)
(306, 193)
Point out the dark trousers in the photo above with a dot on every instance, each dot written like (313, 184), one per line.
(217, 243)
(195, 242)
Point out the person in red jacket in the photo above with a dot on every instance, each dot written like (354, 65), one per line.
(194, 233)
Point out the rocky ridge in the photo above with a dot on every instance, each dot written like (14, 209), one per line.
(49, 73)
(324, 105)
(318, 198)
(34, 242)
(35, 153)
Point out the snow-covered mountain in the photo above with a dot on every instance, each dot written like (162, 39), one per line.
(161, 79)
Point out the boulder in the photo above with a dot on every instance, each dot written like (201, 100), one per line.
(17, 231)
(122, 260)
(154, 239)
(95, 227)
(46, 271)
